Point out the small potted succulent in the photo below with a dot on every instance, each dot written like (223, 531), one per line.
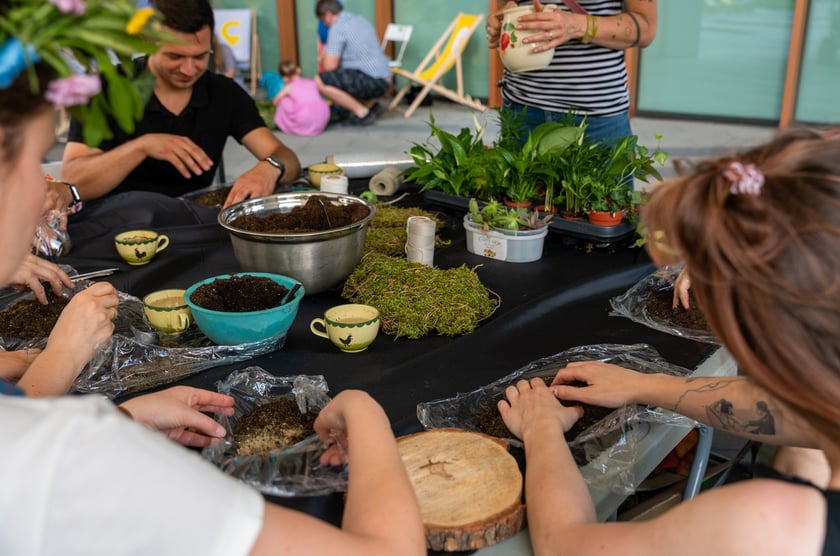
(505, 233)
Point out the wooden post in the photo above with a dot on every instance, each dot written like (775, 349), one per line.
(286, 31)
(794, 63)
(495, 68)
(384, 13)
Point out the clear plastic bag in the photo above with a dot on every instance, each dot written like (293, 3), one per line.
(292, 471)
(136, 358)
(51, 236)
(632, 304)
(606, 451)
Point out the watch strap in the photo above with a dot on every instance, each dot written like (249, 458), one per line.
(279, 165)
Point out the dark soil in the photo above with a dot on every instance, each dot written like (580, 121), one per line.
(317, 215)
(215, 198)
(660, 304)
(277, 424)
(490, 420)
(29, 319)
(238, 294)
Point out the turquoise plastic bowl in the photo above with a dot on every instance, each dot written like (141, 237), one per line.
(232, 329)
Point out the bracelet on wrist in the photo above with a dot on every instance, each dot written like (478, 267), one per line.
(591, 29)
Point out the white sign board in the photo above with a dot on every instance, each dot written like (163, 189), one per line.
(234, 28)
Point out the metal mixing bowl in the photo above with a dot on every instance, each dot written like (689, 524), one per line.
(319, 260)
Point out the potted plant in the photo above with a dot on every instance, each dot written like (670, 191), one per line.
(457, 166)
(505, 233)
(598, 180)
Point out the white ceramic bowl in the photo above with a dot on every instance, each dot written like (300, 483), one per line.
(515, 55)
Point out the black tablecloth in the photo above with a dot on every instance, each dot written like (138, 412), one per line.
(550, 305)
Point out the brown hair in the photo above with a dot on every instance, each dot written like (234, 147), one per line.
(288, 68)
(765, 267)
(19, 104)
(327, 6)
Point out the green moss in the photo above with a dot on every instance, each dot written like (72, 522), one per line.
(415, 300)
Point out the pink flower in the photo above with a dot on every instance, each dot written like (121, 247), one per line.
(73, 90)
(70, 6)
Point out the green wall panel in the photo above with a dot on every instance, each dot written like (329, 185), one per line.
(820, 75)
(718, 58)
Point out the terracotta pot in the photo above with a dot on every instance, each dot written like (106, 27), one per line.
(605, 218)
(514, 204)
(566, 215)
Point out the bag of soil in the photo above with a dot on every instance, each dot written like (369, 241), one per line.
(293, 470)
(607, 450)
(136, 358)
(649, 302)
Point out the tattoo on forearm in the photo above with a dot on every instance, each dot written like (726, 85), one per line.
(705, 387)
(759, 420)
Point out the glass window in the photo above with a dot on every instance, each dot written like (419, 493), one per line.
(819, 78)
(721, 58)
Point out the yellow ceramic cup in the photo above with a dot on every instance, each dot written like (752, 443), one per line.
(317, 171)
(351, 328)
(517, 56)
(138, 247)
(167, 311)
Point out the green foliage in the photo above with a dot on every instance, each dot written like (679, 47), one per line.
(456, 166)
(106, 27)
(494, 214)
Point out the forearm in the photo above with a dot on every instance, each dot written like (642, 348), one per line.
(98, 173)
(380, 498)
(49, 375)
(555, 491)
(636, 26)
(728, 404)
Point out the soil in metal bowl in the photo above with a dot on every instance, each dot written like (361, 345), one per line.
(318, 214)
(239, 294)
(660, 305)
(29, 319)
(277, 424)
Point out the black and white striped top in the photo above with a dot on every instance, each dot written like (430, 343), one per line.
(589, 78)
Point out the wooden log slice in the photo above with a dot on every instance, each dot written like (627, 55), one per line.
(468, 485)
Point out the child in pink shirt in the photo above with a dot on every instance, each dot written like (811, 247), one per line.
(300, 110)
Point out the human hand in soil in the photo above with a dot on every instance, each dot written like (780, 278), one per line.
(530, 408)
(33, 271)
(607, 385)
(178, 413)
(681, 286)
(14, 363)
(85, 324)
(333, 421)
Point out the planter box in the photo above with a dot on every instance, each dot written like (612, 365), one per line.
(522, 246)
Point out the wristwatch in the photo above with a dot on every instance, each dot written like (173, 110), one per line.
(279, 165)
(77, 204)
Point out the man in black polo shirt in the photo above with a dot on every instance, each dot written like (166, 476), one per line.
(178, 144)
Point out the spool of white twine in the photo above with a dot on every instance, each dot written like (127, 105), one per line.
(420, 245)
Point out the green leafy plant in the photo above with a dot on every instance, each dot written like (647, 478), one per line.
(600, 177)
(77, 41)
(456, 166)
